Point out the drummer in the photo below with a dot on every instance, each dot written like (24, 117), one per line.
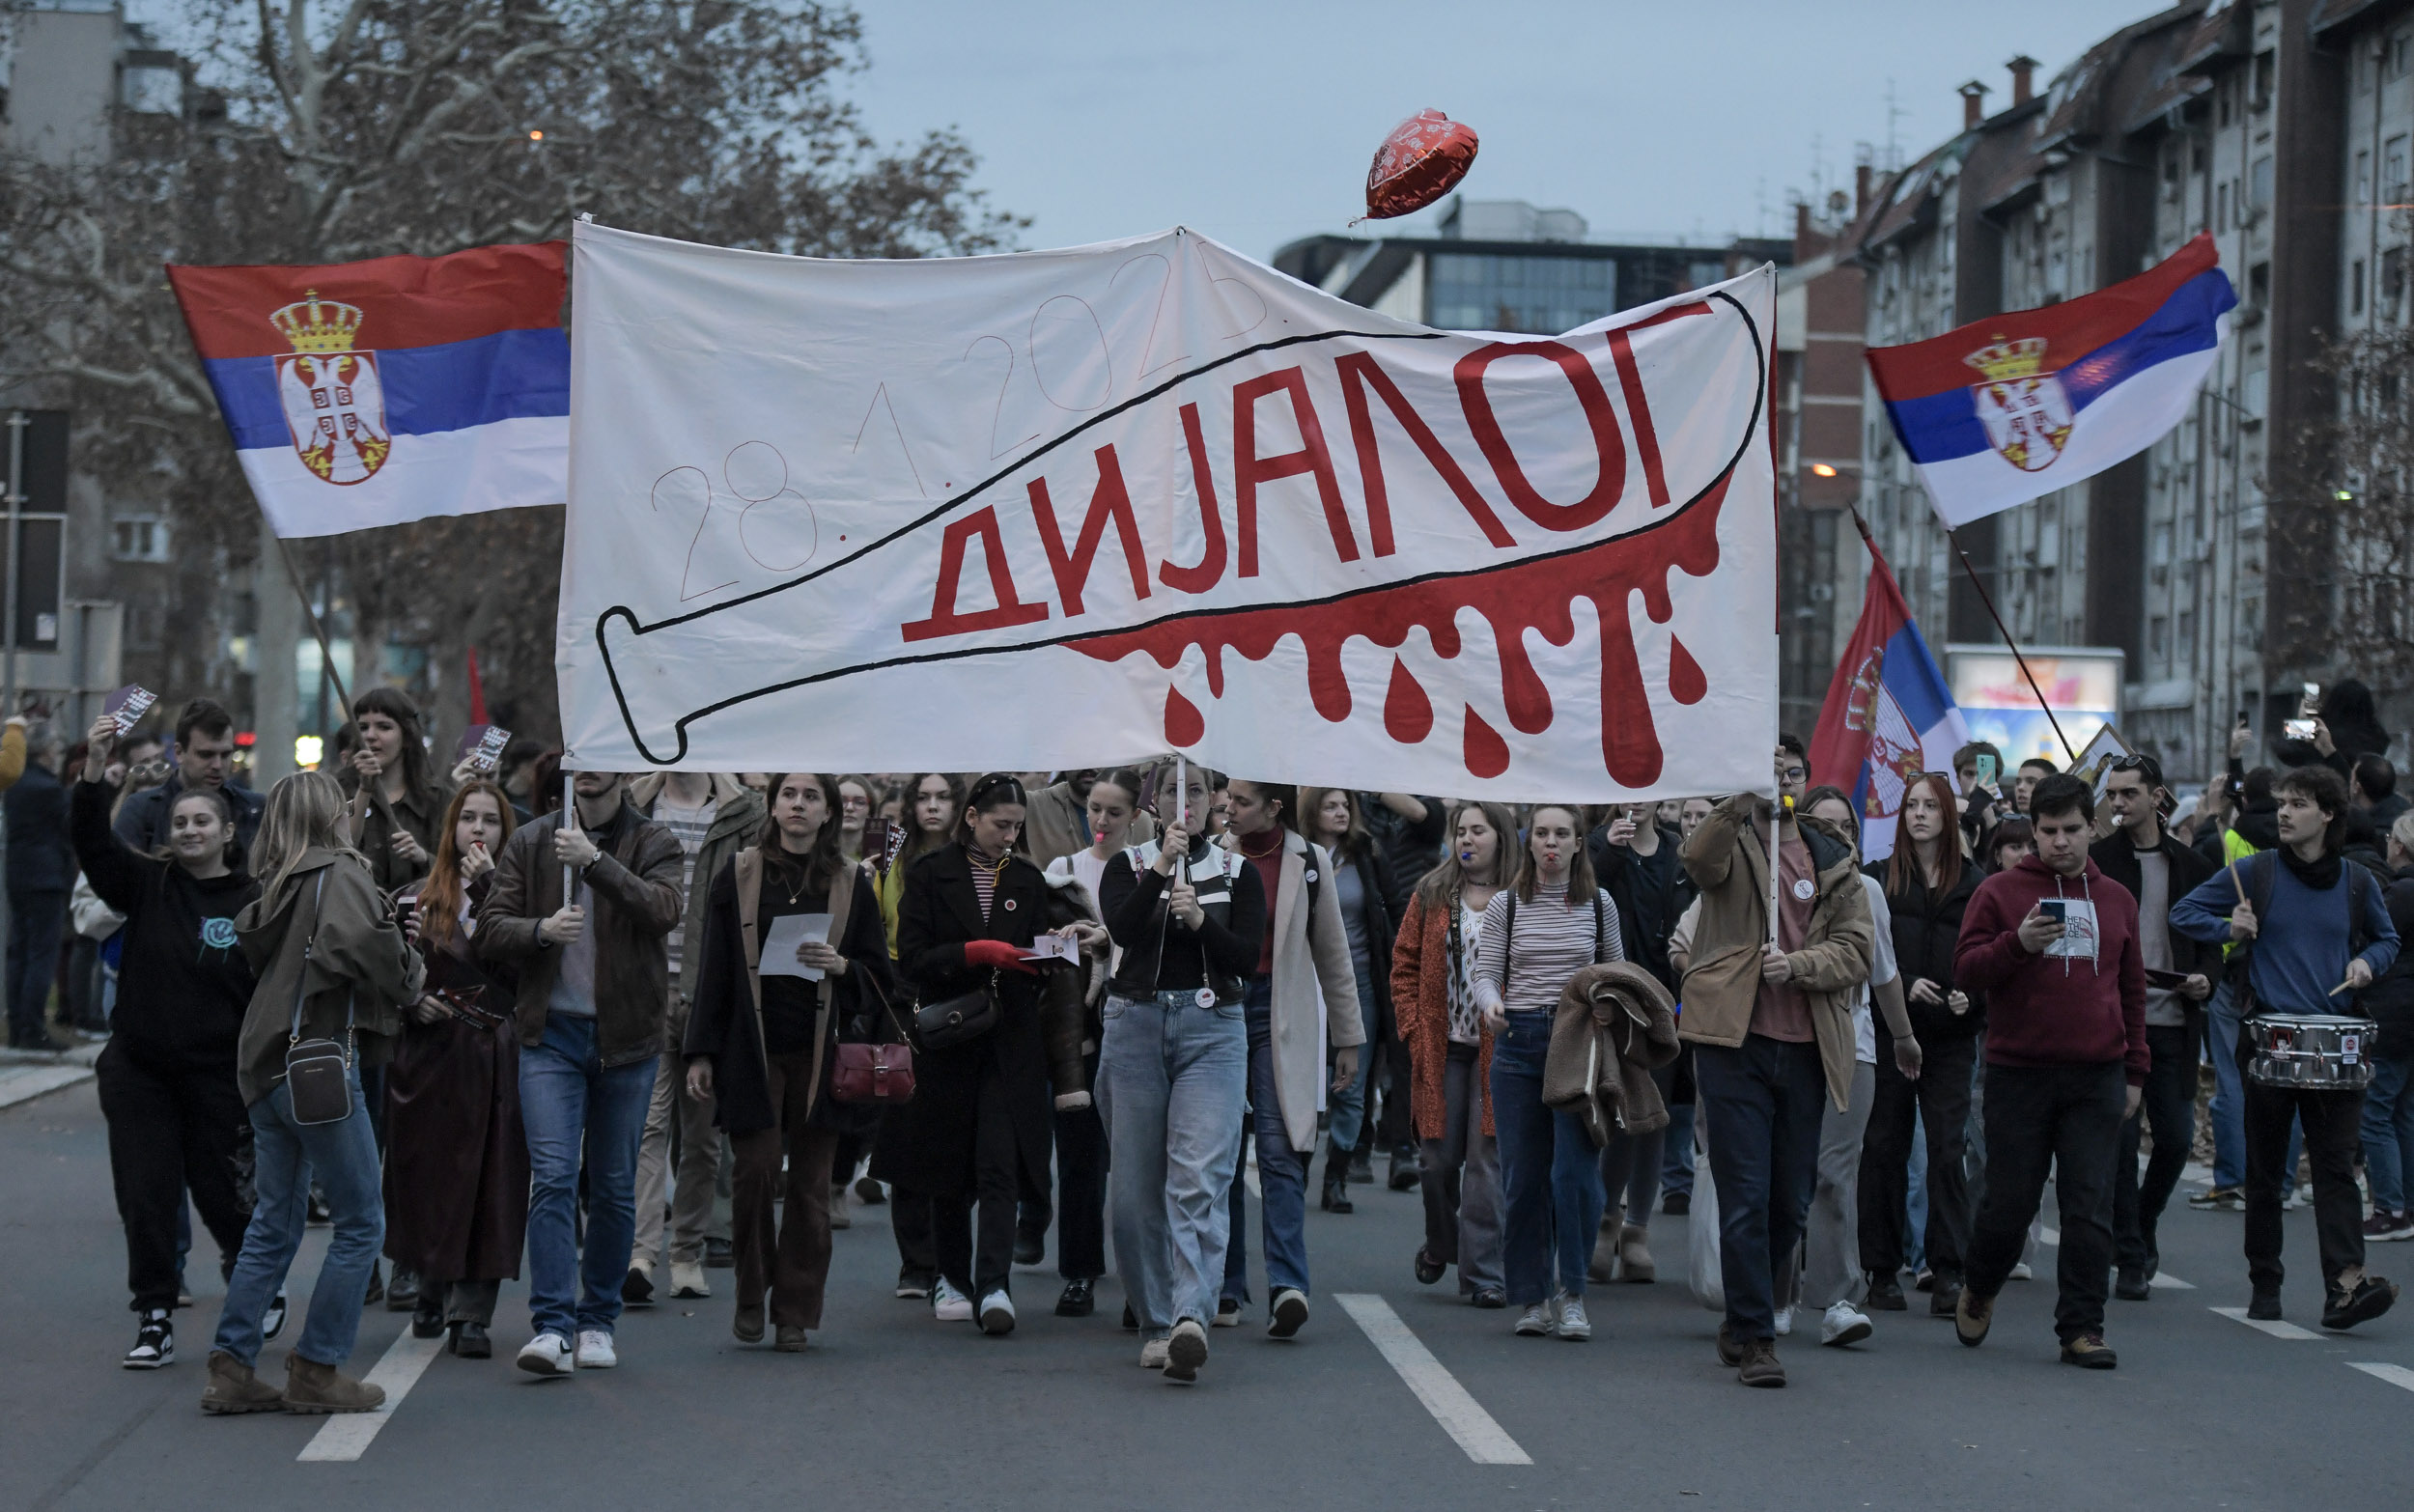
(2053, 942)
(2313, 932)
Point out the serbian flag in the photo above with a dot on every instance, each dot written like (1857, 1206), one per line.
(377, 393)
(1888, 713)
(2002, 410)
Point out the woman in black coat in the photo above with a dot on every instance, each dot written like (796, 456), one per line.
(979, 1126)
(760, 1045)
(1928, 881)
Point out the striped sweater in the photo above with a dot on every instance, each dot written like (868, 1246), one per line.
(1555, 940)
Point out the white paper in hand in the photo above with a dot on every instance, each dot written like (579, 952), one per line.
(785, 935)
(1054, 947)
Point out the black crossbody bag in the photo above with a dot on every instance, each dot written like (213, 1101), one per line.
(317, 1073)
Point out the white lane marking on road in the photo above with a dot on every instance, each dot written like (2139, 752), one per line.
(2277, 1329)
(346, 1436)
(2170, 1283)
(2395, 1375)
(1460, 1416)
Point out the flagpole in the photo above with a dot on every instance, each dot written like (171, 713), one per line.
(2006, 631)
(1987, 600)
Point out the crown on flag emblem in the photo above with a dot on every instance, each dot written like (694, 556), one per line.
(1893, 745)
(333, 400)
(315, 325)
(2025, 408)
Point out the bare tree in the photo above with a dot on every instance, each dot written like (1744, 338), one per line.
(2352, 488)
(330, 130)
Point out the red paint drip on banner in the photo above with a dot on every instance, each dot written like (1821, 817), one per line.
(1686, 681)
(1406, 713)
(1537, 596)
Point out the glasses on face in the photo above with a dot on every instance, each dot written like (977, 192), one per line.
(1793, 774)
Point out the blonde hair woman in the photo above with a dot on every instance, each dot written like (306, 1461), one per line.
(331, 963)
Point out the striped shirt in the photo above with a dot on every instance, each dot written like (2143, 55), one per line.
(984, 880)
(1554, 942)
(688, 827)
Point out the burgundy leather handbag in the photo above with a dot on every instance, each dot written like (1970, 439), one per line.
(875, 1073)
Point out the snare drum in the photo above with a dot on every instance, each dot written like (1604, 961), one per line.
(2312, 1051)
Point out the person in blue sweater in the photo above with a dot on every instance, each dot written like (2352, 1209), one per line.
(2307, 924)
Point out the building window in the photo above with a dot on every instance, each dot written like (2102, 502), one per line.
(2392, 276)
(2393, 169)
(1505, 292)
(2261, 181)
(2400, 53)
(138, 539)
(2159, 638)
(2220, 204)
(2355, 287)
(2263, 73)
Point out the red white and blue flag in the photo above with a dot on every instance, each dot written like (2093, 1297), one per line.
(374, 393)
(2060, 392)
(1888, 716)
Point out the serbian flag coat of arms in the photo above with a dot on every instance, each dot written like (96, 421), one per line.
(1888, 716)
(2006, 409)
(377, 393)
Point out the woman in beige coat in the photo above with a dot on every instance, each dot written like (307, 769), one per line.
(1303, 995)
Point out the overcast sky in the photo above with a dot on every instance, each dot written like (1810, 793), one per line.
(1254, 122)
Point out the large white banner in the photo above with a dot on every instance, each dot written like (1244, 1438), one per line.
(1055, 509)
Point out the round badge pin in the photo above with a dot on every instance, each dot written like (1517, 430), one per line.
(1802, 889)
(1206, 998)
(1010, 903)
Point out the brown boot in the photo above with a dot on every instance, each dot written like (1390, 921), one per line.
(313, 1388)
(1634, 1256)
(232, 1388)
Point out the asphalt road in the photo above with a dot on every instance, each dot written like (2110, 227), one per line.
(892, 1408)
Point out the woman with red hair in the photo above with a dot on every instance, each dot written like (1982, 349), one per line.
(1928, 881)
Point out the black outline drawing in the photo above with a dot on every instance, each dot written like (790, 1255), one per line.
(636, 628)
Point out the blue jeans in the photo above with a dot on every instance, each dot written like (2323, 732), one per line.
(1282, 1172)
(1677, 1152)
(568, 1099)
(2228, 1107)
(2389, 1133)
(287, 1156)
(1549, 1172)
(1764, 1099)
(1349, 1105)
(1171, 1078)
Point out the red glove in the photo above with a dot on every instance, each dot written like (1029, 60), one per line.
(997, 955)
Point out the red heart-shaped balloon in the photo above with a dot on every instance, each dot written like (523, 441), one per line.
(1422, 159)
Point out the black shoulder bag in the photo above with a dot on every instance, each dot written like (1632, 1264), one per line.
(317, 1073)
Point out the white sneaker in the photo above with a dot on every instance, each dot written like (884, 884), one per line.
(1843, 1324)
(1186, 1350)
(997, 1313)
(949, 1306)
(1785, 1322)
(1573, 1323)
(686, 1279)
(1154, 1353)
(595, 1350)
(545, 1355)
(1537, 1321)
(2022, 1271)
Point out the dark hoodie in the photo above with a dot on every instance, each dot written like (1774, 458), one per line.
(2056, 1010)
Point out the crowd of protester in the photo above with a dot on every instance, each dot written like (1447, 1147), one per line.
(620, 1032)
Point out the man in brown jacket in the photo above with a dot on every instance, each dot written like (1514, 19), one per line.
(594, 991)
(1772, 1026)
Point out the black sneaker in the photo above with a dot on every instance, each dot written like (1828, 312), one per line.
(1886, 1295)
(1227, 1312)
(1676, 1204)
(637, 1290)
(912, 1283)
(718, 1255)
(1428, 1268)
(2264, 1306)
(1290, 1312)
(2131, 1284)
(317, 1215)
(1079, 1298)
(1031, 1247)
(154, 1342)
(273, 1321)
(2371, 1298)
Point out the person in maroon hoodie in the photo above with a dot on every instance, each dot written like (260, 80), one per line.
(2053, 942)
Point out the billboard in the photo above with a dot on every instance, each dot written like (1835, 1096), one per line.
(2081, 684)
